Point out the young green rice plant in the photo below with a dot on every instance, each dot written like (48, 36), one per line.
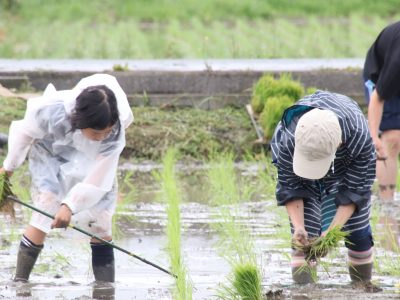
(320, 247)
(58, 266)
(127, 196)
(171, 195)
(6, 206)
(245, 280)
(235, 240)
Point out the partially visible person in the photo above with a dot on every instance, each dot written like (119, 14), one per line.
(382, 90)
(325, 158)
(74, 139)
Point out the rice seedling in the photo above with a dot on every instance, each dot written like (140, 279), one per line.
(171, 195)
(247, 281)
(320, 246)
(57, 265)
(127, 196)
(6, 206)
(235, 241)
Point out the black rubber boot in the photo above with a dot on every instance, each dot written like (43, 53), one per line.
(361, 273)
(27, 256)
(103, 262)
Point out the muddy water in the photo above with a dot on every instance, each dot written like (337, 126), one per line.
(63, 270)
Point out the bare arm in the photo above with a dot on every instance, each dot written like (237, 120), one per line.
(295, 209)
(375, 112)
(343, 214)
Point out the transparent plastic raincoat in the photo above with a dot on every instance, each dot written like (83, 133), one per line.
(65, 166)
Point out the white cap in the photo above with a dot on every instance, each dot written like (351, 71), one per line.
(317, 137)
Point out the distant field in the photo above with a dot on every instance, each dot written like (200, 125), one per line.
(191, 29)
(164, 10)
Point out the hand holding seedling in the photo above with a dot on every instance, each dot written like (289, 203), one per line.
(62, 217)
(300, 237)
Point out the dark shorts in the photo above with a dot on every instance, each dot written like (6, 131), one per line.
(391, 112)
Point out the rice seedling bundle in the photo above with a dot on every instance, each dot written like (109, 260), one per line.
(247, 281)
(6, 206)
(320, 246)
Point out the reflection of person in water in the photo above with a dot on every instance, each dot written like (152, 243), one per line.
(390, 221)
(103, 290)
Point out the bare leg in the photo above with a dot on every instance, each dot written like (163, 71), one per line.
(386, 171)
(35, 235)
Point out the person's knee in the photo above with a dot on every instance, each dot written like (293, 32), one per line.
(391, 140)
(359, 242)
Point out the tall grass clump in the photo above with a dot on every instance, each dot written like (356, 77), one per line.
(271, 97)
(272, 113)
(235, 240)
(267, 87)
(171, 195)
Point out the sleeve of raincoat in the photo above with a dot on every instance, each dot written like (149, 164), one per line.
(98, 181)
(23, 132)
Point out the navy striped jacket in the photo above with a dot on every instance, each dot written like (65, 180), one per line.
(353, 170)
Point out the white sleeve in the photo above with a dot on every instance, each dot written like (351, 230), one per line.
(96, 184)
(20, 137)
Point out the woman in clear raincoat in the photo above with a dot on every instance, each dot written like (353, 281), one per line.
(74, 139)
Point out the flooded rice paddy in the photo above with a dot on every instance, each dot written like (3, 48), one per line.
(63, 270)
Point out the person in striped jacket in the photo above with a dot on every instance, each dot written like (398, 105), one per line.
(325, 159)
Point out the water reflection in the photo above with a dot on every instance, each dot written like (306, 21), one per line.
(103, 290)
(389, 223)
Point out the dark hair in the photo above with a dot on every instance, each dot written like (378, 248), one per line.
(96, 108)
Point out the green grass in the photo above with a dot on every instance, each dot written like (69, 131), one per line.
(196, 133)
(10, 109)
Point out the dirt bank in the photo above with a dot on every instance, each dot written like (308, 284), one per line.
(196, 133)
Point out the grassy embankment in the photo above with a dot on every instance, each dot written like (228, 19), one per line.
(194, 132)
